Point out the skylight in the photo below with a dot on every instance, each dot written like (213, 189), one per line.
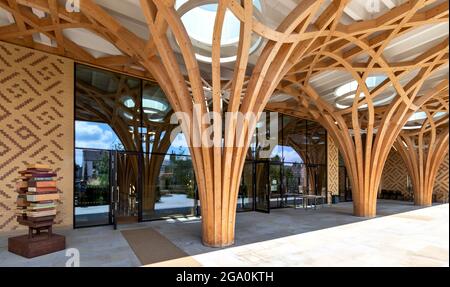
(347, 92)
(419, 116)
(151, 106)
(199, 22)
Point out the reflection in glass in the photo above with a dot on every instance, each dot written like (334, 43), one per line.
(110, 99)
(262, 186)
(94, 135)
(276, 186)
(118, 112)
(245, 196)
(173, 191)
(128, 166)
(92, 193)
(155, 176)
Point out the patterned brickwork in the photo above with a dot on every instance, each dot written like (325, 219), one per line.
(36, 124)
(395, 176)
(441, 185)
(333, 166)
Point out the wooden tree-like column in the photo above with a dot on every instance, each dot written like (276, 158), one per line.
(424, 149)
(365, 132)
(218, 168)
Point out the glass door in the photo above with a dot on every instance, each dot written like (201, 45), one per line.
(245, 196)
(92, 188)
(276, 186)
(262, 187)
(127, 187)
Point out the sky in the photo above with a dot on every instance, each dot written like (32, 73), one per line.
(101, 136)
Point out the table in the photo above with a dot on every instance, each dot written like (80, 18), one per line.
(315, 199)
(296, 196)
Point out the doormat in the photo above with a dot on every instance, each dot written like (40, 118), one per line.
(155, 250)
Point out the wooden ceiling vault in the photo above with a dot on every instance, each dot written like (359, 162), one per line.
(314, 38)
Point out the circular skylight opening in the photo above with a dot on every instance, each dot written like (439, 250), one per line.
(346, 93)
(128, 102)
(199, 22)
(127, 115)
(151, 106)
(421, 117)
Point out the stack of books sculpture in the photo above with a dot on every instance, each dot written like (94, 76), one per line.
(36, 209)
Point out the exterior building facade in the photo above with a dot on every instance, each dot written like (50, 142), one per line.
(92, 92)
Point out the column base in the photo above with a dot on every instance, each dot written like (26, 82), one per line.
(219, 245)
(365, 214)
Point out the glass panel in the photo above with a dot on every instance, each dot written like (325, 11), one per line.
(92, 135)
(342, 186)
(276, 186)
(156, 116)
(269, 134)
(262, 186)
(293, 177)
(245, 197)
(316, 144)
(107, 98)
(179, 146)
(171, 190)
(92, 187)
(294, 140)
(128, 187)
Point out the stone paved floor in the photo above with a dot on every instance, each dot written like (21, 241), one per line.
(402, 235)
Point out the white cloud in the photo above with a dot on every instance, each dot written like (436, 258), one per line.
(94, 135)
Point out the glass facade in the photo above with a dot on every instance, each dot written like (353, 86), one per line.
(297, 163)
(127, 169)
(345, 189)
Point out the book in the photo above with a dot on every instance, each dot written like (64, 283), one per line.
(39, 209)
(22, 184)
(38, 166)
(34, 205)
(38, 179)
(32, 183)
(41, 202)
(42, 189)
(21, 212)
(34, 172)
(41, 213)
(22, 202)
(36, 219)
(21, 191)
(42, 197)
(37, 195)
